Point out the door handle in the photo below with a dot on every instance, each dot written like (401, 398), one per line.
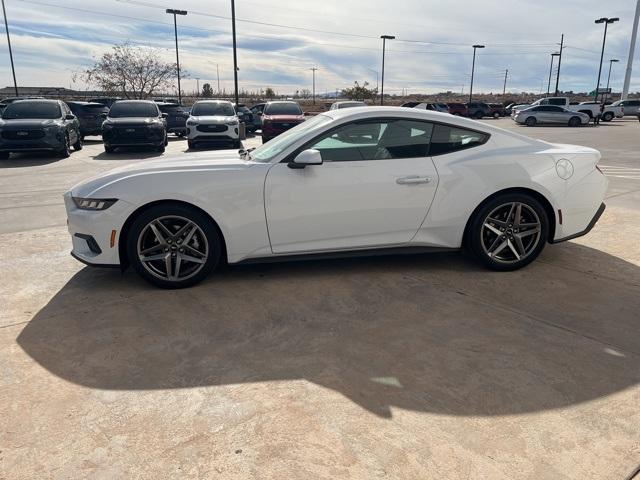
(412, 180)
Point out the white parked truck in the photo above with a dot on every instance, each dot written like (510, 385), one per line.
(590, 108)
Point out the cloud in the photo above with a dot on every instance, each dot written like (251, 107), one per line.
(52, 39)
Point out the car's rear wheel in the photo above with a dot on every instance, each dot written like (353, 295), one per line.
(496, 114)
(508, 232)
(574, 122)
(191, 144)
(109, 149)
(161, 148)
(607, 117)
(530, 122)
(173, 246)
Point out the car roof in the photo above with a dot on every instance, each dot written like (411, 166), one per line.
(213, 101)
(37, 100)
(136, 101)
(282, 101)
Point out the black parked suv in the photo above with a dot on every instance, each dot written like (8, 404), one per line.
(176, 117)
(134, 123)
(478, 110)
(90, 115)
(39, 125)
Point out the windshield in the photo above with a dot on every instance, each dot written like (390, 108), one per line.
(213, 110)
(137, 109)
(269, 150)
(44, 110)
(284, 108)
(171, 108)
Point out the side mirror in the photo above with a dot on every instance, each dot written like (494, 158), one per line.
(165, 115)
(306, 157)
(103, 115)
(70, 116)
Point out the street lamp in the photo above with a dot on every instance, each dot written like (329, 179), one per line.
(384, 44)
(313, 69)
(611, 62)
(473, 67)
(606, 22)
(556, 54)
(235, 56)
(175, 12)
(13, 70)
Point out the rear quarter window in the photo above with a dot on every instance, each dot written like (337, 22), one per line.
(448, 139)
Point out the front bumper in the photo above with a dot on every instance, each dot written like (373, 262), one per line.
(229, 133)
(42, 144)
(91, 232)
(138, 137)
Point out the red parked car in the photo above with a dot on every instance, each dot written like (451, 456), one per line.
(458, 109)
(278, 117)
(497, 110)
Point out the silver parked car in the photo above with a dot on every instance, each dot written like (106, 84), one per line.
(550, 114)
(631, 107)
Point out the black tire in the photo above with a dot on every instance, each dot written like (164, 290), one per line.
(574, 122)
(530, 121)
(166, 140)
(65, 151)
(479, 236)
(161, 148)
(109, 148)
(4, 155)
(496, 114)
(191, 145)
(203, 222)
(79, 144)
(607, 116)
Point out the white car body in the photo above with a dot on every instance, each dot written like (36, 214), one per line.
(270, 210)
(213, 128)
(589, 108)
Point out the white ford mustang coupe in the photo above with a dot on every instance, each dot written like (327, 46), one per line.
(357, 180)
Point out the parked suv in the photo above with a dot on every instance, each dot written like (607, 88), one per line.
(176, 117)
(107, 101)
(134, 123)
(90, 115)
(631, 107)
(34, 125)
(478, 110)
(213, 121)
(278, 117)
(457, 109)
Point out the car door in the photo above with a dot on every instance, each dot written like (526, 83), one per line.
(374, 189)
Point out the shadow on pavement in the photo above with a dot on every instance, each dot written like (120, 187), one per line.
(427, 333)
(33, 159)
(130, 153)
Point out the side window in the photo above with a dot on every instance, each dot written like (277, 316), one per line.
(537, 109)
(375, 140)
(447, 139)
(557, 101)
(555, 109)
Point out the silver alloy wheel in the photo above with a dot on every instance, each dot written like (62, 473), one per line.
(172, 248)
(511, 232)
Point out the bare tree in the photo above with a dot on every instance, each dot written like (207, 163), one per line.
(132, 72)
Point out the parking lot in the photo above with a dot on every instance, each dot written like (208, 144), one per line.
(424, 366)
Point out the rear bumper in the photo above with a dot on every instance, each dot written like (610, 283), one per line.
(590, 226)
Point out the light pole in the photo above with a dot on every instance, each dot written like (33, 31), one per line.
(550, 71)
(606, 22)
(13, 69)
(313, 69)
(198, 86)
(504, 87)
(632, 48)
(611, 62)
(175, 12)
(384, 45)
(473, 67)
(235, 56)
(559, 63)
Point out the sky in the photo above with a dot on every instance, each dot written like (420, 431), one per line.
(279, 41)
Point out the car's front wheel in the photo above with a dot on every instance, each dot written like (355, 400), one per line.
(79, 143)
(173, 246)
(65, 151)
(530, 122)
(574, 122)
(508, 232)
(607, 117)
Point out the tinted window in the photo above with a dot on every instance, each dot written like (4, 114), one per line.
(555, 109)
(557, 101)
(632, 103)
(282, 109)
(377, 140)
(135, 109)
(213, 109)
(447, 139)
(172, 109)
(44, 110)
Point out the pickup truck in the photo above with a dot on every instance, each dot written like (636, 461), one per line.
(590, 108)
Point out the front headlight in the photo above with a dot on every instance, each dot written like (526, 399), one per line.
(233, 123)
(192, 123)
(94, 203)
(157, 125)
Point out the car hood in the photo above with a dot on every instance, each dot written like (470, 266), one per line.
(132, 120)
(28, 122)
(193, 162)
(213, 120)
(284, 118)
